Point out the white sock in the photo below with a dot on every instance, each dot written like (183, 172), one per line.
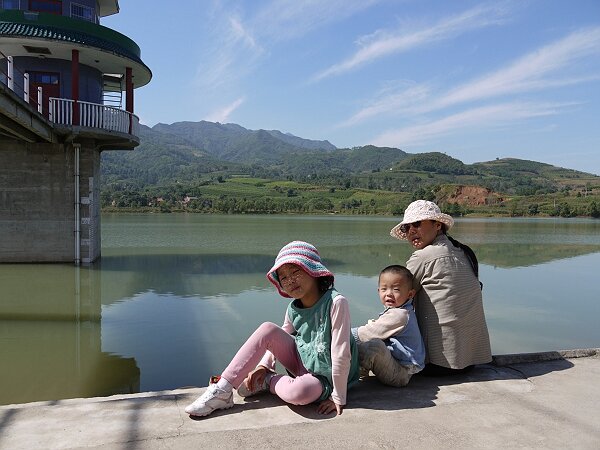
(224, 385)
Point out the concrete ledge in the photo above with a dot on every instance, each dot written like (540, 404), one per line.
(553, 402)
(519, 358)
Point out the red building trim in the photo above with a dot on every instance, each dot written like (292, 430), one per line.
(75, 85)
(129, 95)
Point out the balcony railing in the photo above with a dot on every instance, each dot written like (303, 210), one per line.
(93, 115)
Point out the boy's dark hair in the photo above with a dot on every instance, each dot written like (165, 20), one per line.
(398, 270)
(324, 283)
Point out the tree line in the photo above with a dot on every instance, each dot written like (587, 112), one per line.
(349, 198)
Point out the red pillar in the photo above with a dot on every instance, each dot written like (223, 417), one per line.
(129, 96)
(75, 85)
(129, 90)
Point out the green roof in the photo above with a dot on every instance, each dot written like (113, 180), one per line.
(34, 30)
(45, 32)
(18, 25)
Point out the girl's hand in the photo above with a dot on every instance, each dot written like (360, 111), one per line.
(329, 406)
(256, 378)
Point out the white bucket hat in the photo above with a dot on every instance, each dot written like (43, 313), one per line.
(420, 210)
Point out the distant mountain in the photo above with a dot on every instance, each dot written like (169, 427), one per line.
(342, 161)
(198, 152)
(161, 158)
(303, 143)
(231, 142)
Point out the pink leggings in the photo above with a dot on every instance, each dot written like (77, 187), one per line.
(301, 390)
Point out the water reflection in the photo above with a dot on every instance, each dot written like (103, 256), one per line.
(174, 296)
(207, 275)
(50, 337)
(183, 275)
(528, 231)
(524, 255)
(552, 306)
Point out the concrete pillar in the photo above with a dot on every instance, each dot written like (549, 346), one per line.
(37, 195)
(36, 202)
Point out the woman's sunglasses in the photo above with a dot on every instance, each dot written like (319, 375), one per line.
(404, 228)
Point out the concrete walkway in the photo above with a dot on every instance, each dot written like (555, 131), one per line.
(527, 401)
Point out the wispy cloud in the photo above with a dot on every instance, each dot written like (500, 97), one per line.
(242, 34)
(222, 114)
(481, 117)
(551, 66)
(233, 56)
(286, 19)
(386, 42)
(389, 100)
(236, 42)
(530, 73)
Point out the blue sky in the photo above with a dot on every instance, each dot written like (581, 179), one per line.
(475, 80)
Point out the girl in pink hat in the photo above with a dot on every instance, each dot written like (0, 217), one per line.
(314, 344)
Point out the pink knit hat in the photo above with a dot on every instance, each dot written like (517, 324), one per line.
(303, 255)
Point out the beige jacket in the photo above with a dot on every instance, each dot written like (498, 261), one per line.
(389, 324)
(449, 306)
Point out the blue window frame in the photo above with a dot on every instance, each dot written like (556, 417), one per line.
(83, 12)
(47, 6)
(44, 77)
(10, 4)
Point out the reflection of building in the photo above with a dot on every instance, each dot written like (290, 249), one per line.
(51, 339)
(62, 76)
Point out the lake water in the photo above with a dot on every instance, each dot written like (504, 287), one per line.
(174, 296)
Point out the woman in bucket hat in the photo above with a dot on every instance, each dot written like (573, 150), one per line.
(448, 303)
(314, 344)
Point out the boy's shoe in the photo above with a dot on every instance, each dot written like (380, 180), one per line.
(212, 399)
(243, 390)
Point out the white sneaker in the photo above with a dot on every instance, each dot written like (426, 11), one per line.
(243, 390)
(212, 399)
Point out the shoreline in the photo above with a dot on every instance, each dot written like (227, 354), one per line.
(126, 211)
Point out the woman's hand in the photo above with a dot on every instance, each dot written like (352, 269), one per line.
(329, 406)
(256, 378)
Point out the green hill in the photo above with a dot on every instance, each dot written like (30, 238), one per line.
(435, 162)
(224, 163)
(342, 162)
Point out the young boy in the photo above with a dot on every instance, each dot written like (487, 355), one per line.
(391, 346)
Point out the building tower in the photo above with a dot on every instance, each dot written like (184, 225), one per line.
(62, 79)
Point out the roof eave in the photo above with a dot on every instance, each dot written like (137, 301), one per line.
(108, 7)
